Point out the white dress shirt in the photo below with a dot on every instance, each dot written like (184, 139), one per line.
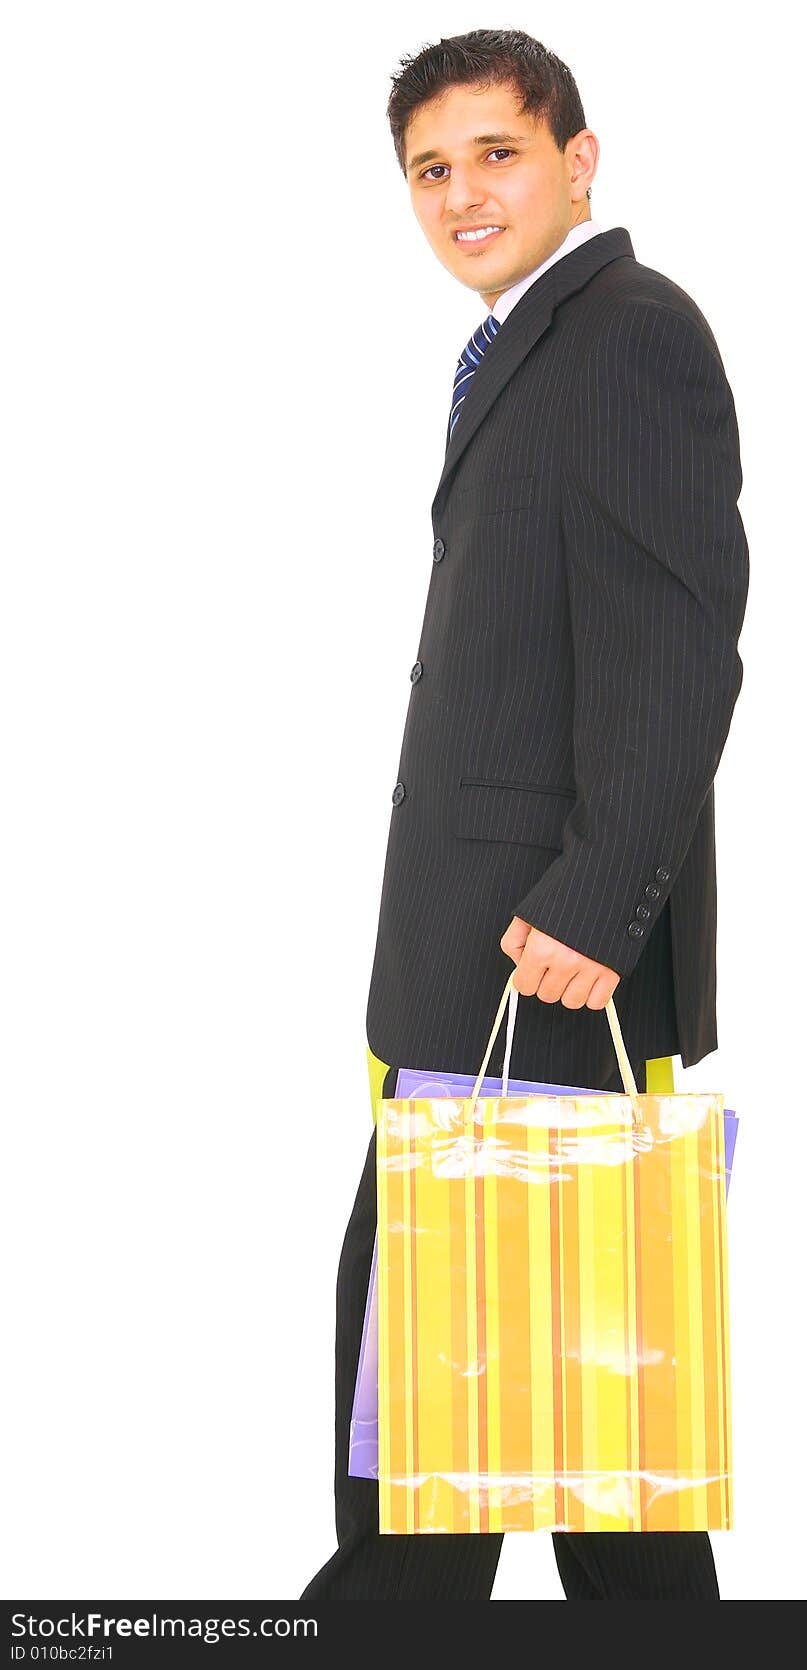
(577, 235)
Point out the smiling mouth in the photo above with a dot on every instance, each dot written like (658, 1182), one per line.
(478, 239)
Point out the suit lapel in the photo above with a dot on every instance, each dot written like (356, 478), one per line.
(522, 328)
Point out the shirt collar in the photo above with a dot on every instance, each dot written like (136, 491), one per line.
(577, 235)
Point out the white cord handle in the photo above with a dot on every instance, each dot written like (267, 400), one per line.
(510, 992)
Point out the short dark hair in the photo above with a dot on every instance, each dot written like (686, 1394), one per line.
(547, 87)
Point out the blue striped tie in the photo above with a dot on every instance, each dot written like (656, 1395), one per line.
(467, 363)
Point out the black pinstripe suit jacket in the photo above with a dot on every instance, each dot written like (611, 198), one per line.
(574, 683)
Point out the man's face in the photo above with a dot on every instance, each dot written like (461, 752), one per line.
(472, 160)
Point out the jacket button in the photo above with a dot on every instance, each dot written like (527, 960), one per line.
(635, 929)
(397, 794)
(438, 550)
(652, 891)
(662, 874)
(643, 911)
(416, 671)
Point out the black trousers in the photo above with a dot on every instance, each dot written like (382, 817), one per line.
(596, 1565)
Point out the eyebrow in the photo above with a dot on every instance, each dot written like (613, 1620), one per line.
(481, 139)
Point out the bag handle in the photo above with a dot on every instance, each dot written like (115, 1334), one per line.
(510, 992)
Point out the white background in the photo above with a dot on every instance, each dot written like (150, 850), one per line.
(227, 356)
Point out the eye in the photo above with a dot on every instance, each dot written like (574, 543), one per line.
(500, 151)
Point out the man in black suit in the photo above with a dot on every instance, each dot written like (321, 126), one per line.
(571, 697)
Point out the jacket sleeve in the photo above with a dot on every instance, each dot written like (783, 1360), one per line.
(657, 575)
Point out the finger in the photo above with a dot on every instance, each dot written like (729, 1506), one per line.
(577, 992)
(555, 980)
(513, 941)
(602, 989)
(530, 972)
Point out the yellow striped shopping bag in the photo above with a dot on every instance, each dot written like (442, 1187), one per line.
(553, 1311)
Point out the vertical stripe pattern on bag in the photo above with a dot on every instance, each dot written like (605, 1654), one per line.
(553, 1315)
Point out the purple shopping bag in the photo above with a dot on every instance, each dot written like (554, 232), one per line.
(363, 1448)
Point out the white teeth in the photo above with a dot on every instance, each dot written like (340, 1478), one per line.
(482, 232)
